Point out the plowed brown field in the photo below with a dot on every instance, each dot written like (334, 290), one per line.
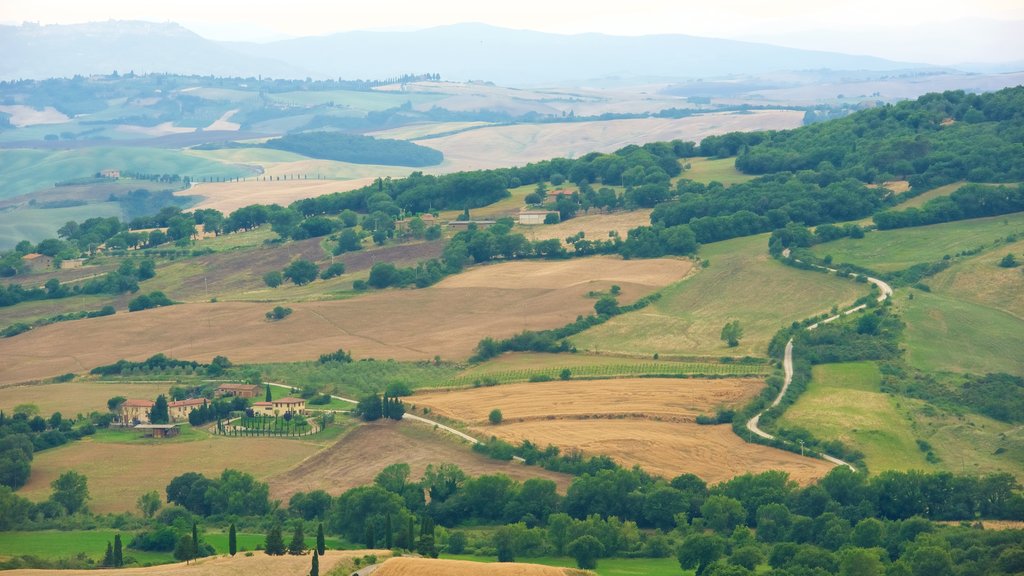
(447, 320)
(642, 421)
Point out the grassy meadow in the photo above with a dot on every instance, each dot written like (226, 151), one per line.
(890, 250)
(706, 170)
(35, 224)
(738, 284)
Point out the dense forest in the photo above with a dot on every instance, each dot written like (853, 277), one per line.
(357, 149)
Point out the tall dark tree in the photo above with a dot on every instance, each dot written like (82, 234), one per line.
(118, 552)
(368, 537)
(108, 556)
(297, 546)
(232, 540)
(320, 543)
(269, 396)
(388, 532)
(274, 544)
(314, 569)
(158, 413)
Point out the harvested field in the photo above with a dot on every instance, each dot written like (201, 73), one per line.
(151, 466)
(230, 196)
(358, 458)
(663, 448)
(71, 398)
(594, 226)
(240, 565)
(448, 319)
(431, 567)
(502, 146)
(670, 399)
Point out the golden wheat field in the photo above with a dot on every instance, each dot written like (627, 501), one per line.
(435, 567)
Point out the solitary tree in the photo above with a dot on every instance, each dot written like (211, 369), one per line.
(269, 397)
(314, 569)
(70, 490)
(700, 550)
(1008, 261)
(586, 550)
(731, 333)
(158, 413)
(320, 544)
(301, 272)
(184, 550)
(273, 278)
(149, 503)
(108, 556)
(298, 544)
(495, 416)
(232, 540)
(118, 552)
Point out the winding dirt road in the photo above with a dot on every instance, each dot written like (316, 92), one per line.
(787, 364)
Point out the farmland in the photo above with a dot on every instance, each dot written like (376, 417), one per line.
(432, 567)
(146, 466)
(688, 319)
(890, 250)
(707, 170)
(645, 422)
(358, 458)
(447, 319)
(844, 402)
(70, 398)
(594, 226)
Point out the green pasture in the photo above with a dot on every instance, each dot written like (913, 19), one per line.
(356, 379)
(35, 224)
(741, 282)
(890, 250)
(706, 170)
(617, 370)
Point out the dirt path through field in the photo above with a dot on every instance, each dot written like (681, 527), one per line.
(787, 363)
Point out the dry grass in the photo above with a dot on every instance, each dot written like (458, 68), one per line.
(665, 398)
(435, 567)
(230, 196)
(663, 448)
(119, 473)
(594, 226)
(448, 319)
(240, 565)
(71, 398)
(362, 454)
(517, 145)
(22, 115)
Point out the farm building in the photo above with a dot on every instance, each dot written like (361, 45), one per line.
(179, 409)
(110, 173)
(240, 390)
(72, 263)
(403, 224)
(36, 261)
(263, 408)
(159, 430)
(464, 224)
(555, 194)
(289, 404)
(534, 217)
(135, 411)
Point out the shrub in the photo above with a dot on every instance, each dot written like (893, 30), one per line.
(278, 313)
(495, 417)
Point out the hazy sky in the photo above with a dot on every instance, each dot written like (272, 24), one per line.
(868, 22)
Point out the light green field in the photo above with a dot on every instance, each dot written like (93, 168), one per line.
(520, 367)
(417, 131)
(889, 250)
(357, 379)
(237, 240)
(981, 280)
(946, 333)
(365, 101)
(918, 201)
(35, 224)
(29, 170)
(29, 312)
(605, 566)
(742, 283)
(54, 544)
(843, 402)
(722, 170)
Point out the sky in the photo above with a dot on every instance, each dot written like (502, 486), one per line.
(934, 29)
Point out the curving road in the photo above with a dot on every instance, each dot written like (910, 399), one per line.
(787, 364)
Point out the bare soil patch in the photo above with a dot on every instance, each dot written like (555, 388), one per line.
(22, 115)
(119, 473)
(448, 319)
(239, 565)
(664, 448)
(670, 399)
(435, 567)
(358, 457)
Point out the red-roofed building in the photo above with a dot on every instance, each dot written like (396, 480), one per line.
(179, 409)
(134, 411)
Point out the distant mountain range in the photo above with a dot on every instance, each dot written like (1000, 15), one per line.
(458, 52)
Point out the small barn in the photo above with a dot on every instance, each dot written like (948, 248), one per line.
(159, 430)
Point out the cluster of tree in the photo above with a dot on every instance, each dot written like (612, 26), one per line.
(550, 458)
(375, 407)
(357, 149)
(999, 396)
(931, 141)
(161, 363)
(278, 313)
(25, 432)
(233, 493)
(155, 299)
(339, 355)
(125, 279)
(970, 201)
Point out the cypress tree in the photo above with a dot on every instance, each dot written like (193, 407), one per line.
(298, 544)
(269, 397)
(320, 543)
(232, 540)
(195, 540)
(118, 555)
(388, 543)
(371, 541)
(274, 545)
(108, 557)
(411, 534)
(314, 570)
